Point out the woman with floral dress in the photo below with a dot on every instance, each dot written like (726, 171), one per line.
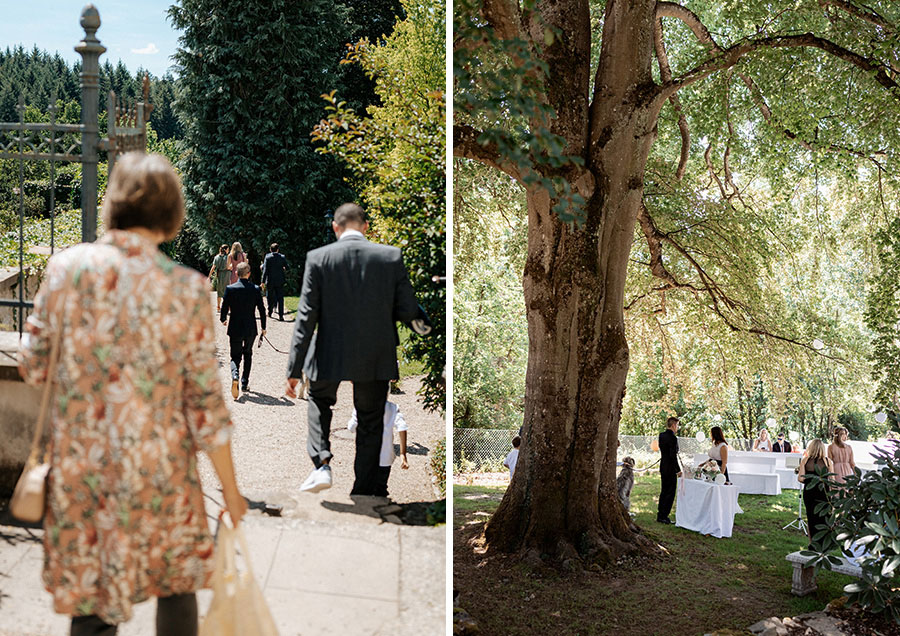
(235, 258)
(220, 274)
(137, 394)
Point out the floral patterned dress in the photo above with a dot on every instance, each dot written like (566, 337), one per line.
(136, 395)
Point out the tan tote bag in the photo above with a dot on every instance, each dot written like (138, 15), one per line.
(238, 607)
(30, 496)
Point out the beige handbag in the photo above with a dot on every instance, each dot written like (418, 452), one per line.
(238, 607)
(30, 496)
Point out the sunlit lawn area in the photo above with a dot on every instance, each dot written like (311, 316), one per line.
(704, 584)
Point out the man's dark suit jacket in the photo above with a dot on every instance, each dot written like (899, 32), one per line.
(273, 268)
(353, 291)
(782, 447)
(668, 448)
(242, 298)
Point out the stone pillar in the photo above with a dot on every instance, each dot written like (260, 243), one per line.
(90, 50)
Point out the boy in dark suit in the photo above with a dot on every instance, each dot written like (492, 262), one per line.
(241, 299)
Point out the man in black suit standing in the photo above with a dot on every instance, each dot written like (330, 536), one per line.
(669, 469)
(782, 445)
(353, 291)
(273, 275)
(241, 299)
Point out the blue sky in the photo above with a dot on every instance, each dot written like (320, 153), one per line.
(136, 31)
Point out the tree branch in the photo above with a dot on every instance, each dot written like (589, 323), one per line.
(466, 145)
(866, 14)
(504, 18)
(665, 72)
(733, 54)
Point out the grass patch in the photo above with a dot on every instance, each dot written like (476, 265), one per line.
(407, 367)
(704, 584)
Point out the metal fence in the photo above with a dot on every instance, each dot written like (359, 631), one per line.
(58, 143)
(484, 449)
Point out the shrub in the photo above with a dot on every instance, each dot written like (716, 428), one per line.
(439, 465)
(865, 513)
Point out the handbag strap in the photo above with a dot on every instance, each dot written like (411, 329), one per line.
(48, 385)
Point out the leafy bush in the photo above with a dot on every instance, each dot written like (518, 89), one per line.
(439, 464)
(865, 514)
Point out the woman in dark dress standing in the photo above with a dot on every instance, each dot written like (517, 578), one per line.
(815, 461)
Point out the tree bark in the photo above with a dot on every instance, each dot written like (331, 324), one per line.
(562, 501)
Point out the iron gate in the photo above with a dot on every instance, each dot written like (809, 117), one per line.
(54, 142)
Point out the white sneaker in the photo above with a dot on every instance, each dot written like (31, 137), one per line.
(319, 479)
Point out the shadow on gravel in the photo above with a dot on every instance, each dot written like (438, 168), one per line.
(415, 449)
(261, 398)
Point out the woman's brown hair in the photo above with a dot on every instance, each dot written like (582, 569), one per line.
(717, 435)
(144, 191)
(838, 430)
(236, 249)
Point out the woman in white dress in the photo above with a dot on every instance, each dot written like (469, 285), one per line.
(719, 450)
(762, 443)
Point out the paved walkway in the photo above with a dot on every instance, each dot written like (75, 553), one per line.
(330, 563)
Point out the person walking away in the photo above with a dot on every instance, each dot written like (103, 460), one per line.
(139, 394)
(719, 450)
(781, 444)
(353, 292)
(815, 461)
(241, 299)
(513, 457)
(841, 455)
(393, 421)
(669, 469)
(220, 274)
(274, 271)
(235, 258)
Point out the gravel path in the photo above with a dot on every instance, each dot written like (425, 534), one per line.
(269, 443)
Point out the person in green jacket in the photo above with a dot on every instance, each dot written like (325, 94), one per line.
(220, 275)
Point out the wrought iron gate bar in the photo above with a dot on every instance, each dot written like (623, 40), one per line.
(70, 128)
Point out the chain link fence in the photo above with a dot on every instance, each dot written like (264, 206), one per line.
(484, 449)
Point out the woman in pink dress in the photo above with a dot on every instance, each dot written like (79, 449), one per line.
(137, 396)
(841, 454)
(235, 258)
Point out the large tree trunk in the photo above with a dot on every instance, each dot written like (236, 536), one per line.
(562, 500)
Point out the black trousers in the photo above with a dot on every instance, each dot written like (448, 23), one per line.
(666, 494)
(175, 616)
(384, 473)
(241, 347)
(275, 297)
(368, 399)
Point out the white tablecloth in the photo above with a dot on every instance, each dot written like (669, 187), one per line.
(706, 507)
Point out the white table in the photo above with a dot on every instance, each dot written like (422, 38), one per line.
(705, 507)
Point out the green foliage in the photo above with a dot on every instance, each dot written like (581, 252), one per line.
(883, 317)
(866, 513)
(251, 74)
(66, 232)
(439, 465)
(396, 156)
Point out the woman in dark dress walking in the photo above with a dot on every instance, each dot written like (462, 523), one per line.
(816, 462)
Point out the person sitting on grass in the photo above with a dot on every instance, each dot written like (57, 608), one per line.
(513, 457)
(393, 420)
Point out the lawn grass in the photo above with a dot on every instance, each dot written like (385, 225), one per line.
(704, 584)
(407, 367)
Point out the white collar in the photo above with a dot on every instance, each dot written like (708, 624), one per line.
(348, 233)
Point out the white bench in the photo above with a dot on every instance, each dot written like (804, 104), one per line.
(803, 581)
(754, 473)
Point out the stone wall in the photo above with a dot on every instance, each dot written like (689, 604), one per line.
(19, 405)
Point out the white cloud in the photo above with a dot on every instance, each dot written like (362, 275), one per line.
(150, 49)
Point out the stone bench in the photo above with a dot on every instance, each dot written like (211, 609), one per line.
(803, 581)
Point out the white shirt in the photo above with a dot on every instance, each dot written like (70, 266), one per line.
(716, 451)
(393, 419)
(348, 232)
(511, 461)
(764, 445)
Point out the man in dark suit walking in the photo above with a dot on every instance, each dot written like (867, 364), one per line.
(669, 469)
(273, 275)
(241, 299)
(353, 291)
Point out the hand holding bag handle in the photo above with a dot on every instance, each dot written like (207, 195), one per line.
(30, 495)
